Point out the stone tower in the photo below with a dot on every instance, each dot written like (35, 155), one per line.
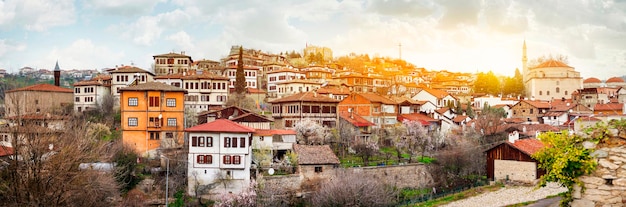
(57, 74)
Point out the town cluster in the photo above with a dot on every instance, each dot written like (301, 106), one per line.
(182, 102)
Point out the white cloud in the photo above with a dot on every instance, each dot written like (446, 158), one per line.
(148, 29)
(82, 54)
(122, 7)
(7, 46)
(182, 39)
(36, 15)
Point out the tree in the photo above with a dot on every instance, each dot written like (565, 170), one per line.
(418, 139)
(310, 132)
(487, 83)
(488, 122)
(468, 110)
(126, 161)
(44, 169)
(240, 78)
(514, 86)
(565, 159)
(350, 189)
(343, 134)
(241, 101)
(246, 198)
(365, 150)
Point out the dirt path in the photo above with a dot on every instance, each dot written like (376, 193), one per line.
(509, 195)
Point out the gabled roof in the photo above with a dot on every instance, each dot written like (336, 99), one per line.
(129, 69)
(315, 155)
(307, 97)
(608, 107)
(220, 125)
(254, 116)
(355, 119)
(204, 76)
(44, 87)
(528, 146)
(422, 118)
(437, 93)
(338, 90)
(5, 151)
(172, 55)
(442, 110)
(536, 104)
(153, 86)
(270, 132)
(375, 98)
(459, 118)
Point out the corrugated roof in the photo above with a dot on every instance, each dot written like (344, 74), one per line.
(44, 87)
(153, 86)
(315, 154)
(220, 125)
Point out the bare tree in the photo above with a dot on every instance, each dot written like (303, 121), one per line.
(343, 135)
(365, 150)
(352, 189)
(419, 140)
(310, 132)
(43, 171)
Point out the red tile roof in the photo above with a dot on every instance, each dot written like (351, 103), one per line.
(528, 146)
(355, 119)
(592, 80)
(422, 118)
(315, 154)
(538, 104)
(269, 132)
(615, 80)
(608, 107)
(459, 118)
(220, 125)
(44, 87)
(334, 90)
(129, 69)
(4, 151)
(375, 98)
(153, 86)
(552, 64)
(436, 93)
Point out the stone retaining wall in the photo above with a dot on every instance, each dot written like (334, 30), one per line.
(607, 185)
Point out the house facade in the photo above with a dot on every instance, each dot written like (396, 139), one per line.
(89, 95)
(438, 97)
(40, 98)
(125, 76)
(204, 91)
(373, 107)
(531, 111)
(172, 63)
(152, 116)
(220, 156)
(290, 110)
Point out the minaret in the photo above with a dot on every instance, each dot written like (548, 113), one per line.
(57, 74)
(524, 62)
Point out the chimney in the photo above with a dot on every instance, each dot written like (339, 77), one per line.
(513, 136)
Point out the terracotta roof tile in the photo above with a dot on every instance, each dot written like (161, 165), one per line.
(592, 80)
(152, 86)
(204, 76)
(422, 118)
(355, 119)
(173, 55)
(375, 98)
(315, 154)
(552, 64)
(538, 104)
(337, 90)
(436, 93)
(615, 80)
(269, 132)
(528, 146)
(220, 125)
(129, 69)
(44, 87)
(4, 151)
(459, 118)
(608, 107)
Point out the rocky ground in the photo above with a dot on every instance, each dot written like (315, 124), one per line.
(509, 195)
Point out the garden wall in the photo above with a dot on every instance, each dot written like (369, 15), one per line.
(401, 176)
(607, 185)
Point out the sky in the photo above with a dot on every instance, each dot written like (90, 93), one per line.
(453, 35)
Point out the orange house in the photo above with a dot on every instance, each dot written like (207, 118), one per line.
(152, 116)
(373, 107)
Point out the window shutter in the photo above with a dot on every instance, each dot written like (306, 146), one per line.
(199, 159)
(234, 142)
(242, 142)
(208, 159)
(209, 141)
(194, 141)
